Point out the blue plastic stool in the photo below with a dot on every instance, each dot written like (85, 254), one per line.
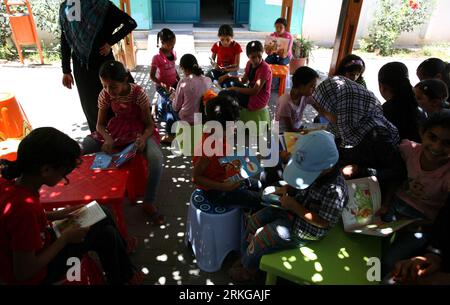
(213, 231)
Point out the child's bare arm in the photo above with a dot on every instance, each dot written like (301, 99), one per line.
(101, 125)
(259, 84)
(153, 76)
(199, 178)
(234, 67)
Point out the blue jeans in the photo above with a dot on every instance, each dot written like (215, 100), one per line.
(275, 59)
(165, 111)
(268, 230)
(155, 159)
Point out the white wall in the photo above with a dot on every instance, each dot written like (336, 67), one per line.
(322, 17)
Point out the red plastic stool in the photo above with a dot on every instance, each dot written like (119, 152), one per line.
(137, 178)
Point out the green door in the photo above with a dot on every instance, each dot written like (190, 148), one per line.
(241, 11)
(176, 11)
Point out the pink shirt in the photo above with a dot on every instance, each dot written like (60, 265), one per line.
(263, 73)
(426, 191)
(287, 108)
(188, 96)
(286, 35)
(165, 69)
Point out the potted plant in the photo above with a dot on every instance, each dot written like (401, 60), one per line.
(301, 49)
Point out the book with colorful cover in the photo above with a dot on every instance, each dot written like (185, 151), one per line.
(84, 217)
(103, 160)
(277, 45)
(289, 139)
(364, 201)
(239, 168)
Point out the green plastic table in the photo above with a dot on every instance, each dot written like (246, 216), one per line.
(338, 259)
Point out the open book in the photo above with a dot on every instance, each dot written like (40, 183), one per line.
(240, 167)
(104, 161)
(289, 138)
(277, 45)
(364, 201)
(84, 217)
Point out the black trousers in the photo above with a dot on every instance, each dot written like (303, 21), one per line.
(104, 239)
(89, 87)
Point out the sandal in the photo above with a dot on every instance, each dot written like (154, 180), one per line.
(155, 217)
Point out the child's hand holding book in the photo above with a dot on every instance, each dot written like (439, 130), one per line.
(108, 146)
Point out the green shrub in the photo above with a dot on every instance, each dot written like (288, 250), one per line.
(392, 18)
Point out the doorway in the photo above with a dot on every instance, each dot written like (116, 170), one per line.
(213, 12)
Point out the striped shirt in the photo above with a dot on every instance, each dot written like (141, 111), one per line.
(137, 95)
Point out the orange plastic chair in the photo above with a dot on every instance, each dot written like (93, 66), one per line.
(281, 72)
(8, 149)
(13, 121)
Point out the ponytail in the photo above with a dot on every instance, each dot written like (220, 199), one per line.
(197, 70)
(163, 36)
(189, 62)
(394, 75)
(9, 169)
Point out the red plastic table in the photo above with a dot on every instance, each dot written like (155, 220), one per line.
(85, 185)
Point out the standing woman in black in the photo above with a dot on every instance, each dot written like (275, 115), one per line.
(87, 40)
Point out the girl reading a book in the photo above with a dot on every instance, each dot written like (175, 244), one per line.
(209, 174)
(30, 253)
(252, 90)
(424, 190)
(279, 58)
(225, 54)
(132, 122)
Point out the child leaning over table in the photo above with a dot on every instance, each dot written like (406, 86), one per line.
(309, 215)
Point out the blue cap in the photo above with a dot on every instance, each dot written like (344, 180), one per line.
(312, 154)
